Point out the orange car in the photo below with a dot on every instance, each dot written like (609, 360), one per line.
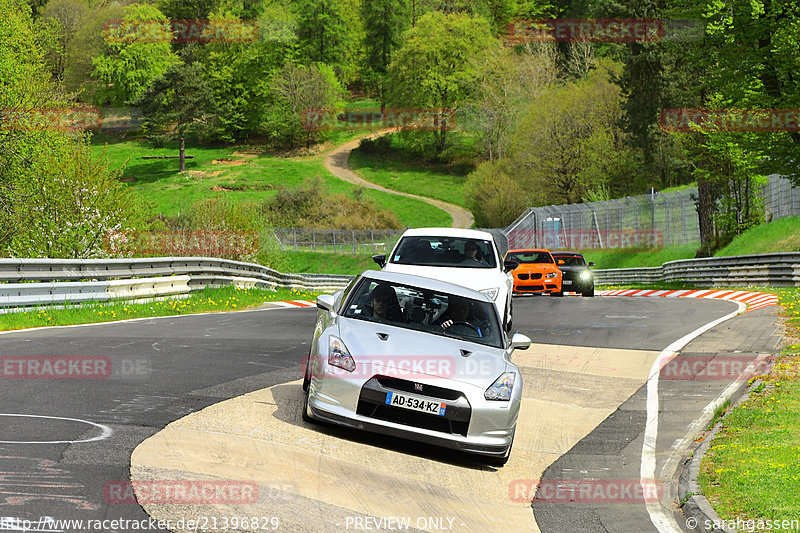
(537, 272)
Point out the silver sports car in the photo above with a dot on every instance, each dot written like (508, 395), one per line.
(417, 358)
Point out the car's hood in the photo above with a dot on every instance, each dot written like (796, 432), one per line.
(417, 356)
(536, 267)
(473, 278)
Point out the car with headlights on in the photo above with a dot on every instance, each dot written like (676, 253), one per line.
(575, 273)
(463, 256)
(536, 272)
(416, 358)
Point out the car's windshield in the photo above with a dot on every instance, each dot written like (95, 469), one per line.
(434, 312)
(445, 252)
(570, 260)
(530, 257)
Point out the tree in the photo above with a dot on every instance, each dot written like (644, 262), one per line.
(297, 90)
(68, 15)
(508, 80)
(384, 23)
(176, 104)
(133, 58)
(322, 29)
(435, 67)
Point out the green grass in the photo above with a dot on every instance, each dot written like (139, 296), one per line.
(398, 172)
(171, 193)
(782, 235)
(322, 263)
(752, 470)
(207, 300)
(692, 185)
(638, 257)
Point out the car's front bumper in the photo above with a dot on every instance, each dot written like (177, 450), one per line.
(488, 427)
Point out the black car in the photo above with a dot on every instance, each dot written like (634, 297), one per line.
(575, 273)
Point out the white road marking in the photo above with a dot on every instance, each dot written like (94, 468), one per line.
(665, 523)
(106, 431)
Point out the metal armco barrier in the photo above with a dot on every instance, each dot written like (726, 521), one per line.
(773, 270)
(31, 282)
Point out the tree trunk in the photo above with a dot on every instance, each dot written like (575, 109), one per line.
(705, 208)
(183, 154)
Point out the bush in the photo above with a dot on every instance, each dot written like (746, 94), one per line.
(70, 205)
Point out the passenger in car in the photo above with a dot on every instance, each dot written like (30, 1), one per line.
(383, 304)
(472, 254)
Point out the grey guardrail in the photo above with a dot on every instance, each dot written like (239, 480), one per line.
(31, 282)
(773, 270)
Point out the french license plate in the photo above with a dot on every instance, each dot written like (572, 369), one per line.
(567, 282)
(415, 404)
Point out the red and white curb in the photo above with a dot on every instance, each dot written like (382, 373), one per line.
(754, 300)
(296, 303)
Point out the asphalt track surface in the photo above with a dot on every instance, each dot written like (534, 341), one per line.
(164, 369)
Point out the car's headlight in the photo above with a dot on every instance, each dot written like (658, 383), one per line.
(492, 293)
(586, 275)
(551, 275)
(339, 356)
(501, 388)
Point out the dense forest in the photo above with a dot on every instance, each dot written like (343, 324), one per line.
(542, 120)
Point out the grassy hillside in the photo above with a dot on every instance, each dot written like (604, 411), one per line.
(248, 173)
(638, 257)
(782, 235)
(395, 170)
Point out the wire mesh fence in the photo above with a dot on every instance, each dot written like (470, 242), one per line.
(650, 220)
(337, 241)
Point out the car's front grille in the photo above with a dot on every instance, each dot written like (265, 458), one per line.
(522, 276)
(372, 404)
(412, 418)
(404, 385)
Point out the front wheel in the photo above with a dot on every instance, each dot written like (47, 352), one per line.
(589, 292)
(509, 322)
(306, 415)
(558, 294)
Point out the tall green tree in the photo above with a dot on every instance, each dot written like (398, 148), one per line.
(132, 58)
(436, 68)
(324, 33)
(178, 103)
(384, 23)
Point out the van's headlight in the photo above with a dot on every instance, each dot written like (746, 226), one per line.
(491, 292)
(501, 388)
(339, 356)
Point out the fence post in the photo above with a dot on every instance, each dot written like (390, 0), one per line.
(294, 230)
(333, 233)
(354, 241)
(313, 240)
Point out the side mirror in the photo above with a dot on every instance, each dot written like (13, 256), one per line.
(561, 262)
(591, 263)
(380, 259)
(509, 265)
(325, 302)
(520, 342)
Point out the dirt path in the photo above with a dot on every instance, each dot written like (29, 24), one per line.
(336, 163)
